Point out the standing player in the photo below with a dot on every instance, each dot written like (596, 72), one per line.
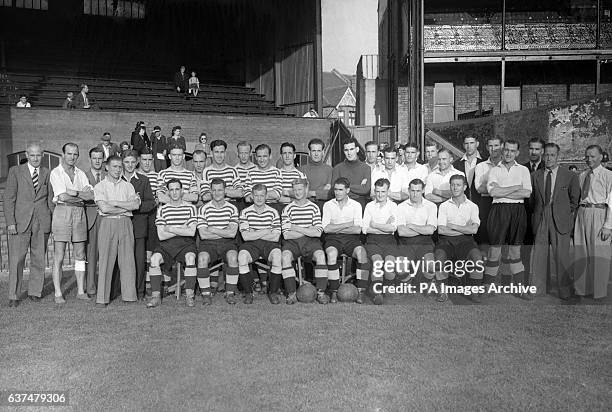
(356, 171)
(288, 172)
(396, 175)
(437, 186)
(318, 173)
(481, 178)
(431, 156)
(416, 222)
(414, 170)
(260, 228)
(457, 223)
(264, 174)
(147, 168)
(509, 185)
(302, 229)
(243, 167)
(217, 226)
(221, 170)
(379, 224)
(71, 189)
(176, 225)
(467, 165)
(342, 226)
(177, 171)
(198, 160)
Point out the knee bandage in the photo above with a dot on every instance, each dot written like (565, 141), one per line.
(79, 266)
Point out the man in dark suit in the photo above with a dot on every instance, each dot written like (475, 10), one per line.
(109, 149)
(95, 174)
(140, 221)
(180, 80)
(554, 199)
(536, 149)
(159, 149)
(81, 101)
(28, 201)
(467, 165)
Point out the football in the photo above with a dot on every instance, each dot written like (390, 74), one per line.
(306, 293)
(347, 292)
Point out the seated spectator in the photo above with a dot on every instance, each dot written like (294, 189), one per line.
(23, 102)
(69, 102)
(81, 100)
(180, 80)
(194, 84)
(201, 145)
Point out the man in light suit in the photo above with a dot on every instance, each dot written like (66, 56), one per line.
(554, 201)
(109, 149)
(28, 201)
(94, 174)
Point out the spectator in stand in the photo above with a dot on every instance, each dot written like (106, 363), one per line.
(23, 102)
(123, 148)
(140, 140)
(81, 100)
(194, 84)
(180, 80)
(69, 102)
(176, 140)
(159, 149)
(201, 145)
(109, 149)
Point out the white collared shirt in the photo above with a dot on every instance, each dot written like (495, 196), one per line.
(608, 222)
(397, 176)
(334, 214)
(419, 171)
(481, 175)
(378, 213)
(458, 214)
(424, 214)
(60, 181)
(504, 177)
(600, 186)
(437, 180)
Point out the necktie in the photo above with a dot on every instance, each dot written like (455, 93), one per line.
(586, 185)
(547, 187)
(98, 177)
(35, 179)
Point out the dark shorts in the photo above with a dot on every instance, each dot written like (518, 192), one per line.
(484, 207)
(415, 247)
(456, 247)
(382, 245)
(304, 246)
(259, 248)
(175, 249)
(344, 243)
(507, 224)
(217, 248)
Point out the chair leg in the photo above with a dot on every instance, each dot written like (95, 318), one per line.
(344, 262)
(300, 270)
(178, 281)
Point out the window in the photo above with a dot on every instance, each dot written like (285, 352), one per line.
(351, 121)
(115, 8)
(444, 102)
(26, 4)
(512, 99)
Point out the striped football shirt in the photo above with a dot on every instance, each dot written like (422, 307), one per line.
(228, 174)
(218, 217)
(153, 177)
(243, 171)
(288, 176)
(305, 215)
(187, 178)
(250, 219)
(171, 215)
(270, 178)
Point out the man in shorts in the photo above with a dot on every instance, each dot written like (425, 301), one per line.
(260, 228)
(176, 225)
(342, 226)
(302, 229)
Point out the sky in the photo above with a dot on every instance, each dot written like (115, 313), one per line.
(349, 29)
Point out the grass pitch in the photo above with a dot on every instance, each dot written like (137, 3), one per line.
(411, 354)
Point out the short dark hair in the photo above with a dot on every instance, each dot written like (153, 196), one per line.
(96, 150)
(381, 182)
(389, 150)
(146, 151)
(536, 140)
(370, 143)
(316, 140)
(198, 152)
(512, 141)
(69, 144)
(501, 141)
(176, 128)
(176, 146)
(458, 177)
(551, 145)
(349, 141)
(259, 188)
(218, 142)
(595, 146)
(174, 180)
(343, 181)
(469, 136)
(132, 153)
(217, 181)
(411, 145)
(262, 147)
(430, 143)
(243, 143)
(287, 144)
(114, 158)
(417, 182)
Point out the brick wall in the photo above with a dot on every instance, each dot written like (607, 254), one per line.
(56, 127)
(403, 102)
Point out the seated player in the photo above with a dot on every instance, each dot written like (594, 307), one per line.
(458, 221)
(417, 220)
(342, 226)
(379, 224)
(217, 226)
(176, 225)
(260, 228)
(302, 229)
